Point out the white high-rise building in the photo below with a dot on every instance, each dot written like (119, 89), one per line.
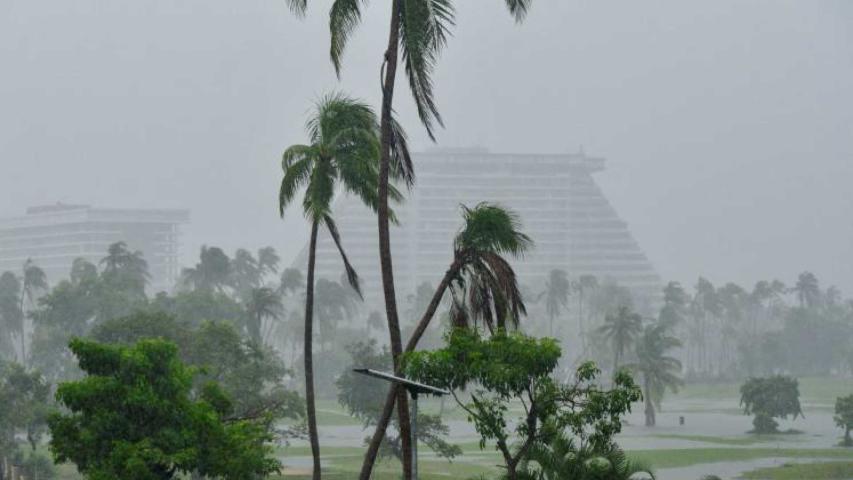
(561, 207)
(54, 235)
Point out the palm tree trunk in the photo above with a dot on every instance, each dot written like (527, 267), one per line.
(308, 354)
(388, 408)
(23, 330)
(385, 242)
(650, 407)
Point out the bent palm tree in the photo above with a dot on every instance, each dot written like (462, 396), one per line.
(418, 28)
(212, 272)
(262, 303)
(344, 149)
(489, 232)
(660, 371)
(556, 295)
(620, 330)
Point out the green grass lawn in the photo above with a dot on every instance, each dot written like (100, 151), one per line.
(812, 471)
(720, 440)
(685, 457)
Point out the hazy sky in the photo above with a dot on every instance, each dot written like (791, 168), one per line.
(727, 125)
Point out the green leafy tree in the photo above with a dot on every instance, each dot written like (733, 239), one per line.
(560, 457)
(620, 329)
(513, 369)
(556, 294)
(768, 398)
(659, 370)
(25, 396)
(344, 151)
(132, 416)
(844, 417)
(363, 398)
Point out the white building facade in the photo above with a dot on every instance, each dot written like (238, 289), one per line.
(54, 235)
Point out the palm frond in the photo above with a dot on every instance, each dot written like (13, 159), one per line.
(344, 17)
(518, 8)
(492, 228)
(424, 28)
(352, 276)
(298, 7)
(295, 176)
(402, 167)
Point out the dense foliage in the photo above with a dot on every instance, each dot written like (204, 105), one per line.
(132, 416)
(844, 417)
(510, 368)
(769, 398)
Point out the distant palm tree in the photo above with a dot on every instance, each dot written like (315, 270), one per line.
(344, 150)
(212, 272)
(125, 269)
(245, 272)
(659, 370)
(807, 290)
(584, 285)
(268, 261)
(263, 303)
(556, 295)
(334, 304)
(83, 271)
(620, 329)
(291, 281)
(11, 315)
(34, 282)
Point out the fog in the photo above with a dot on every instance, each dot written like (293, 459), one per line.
(726, 125)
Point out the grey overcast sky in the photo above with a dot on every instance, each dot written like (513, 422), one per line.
(727, 124)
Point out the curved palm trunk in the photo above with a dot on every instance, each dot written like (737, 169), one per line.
(308, 354)
(385, 248)
(394, 392)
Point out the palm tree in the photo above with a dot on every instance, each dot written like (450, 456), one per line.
(556, 295)
(10, 310)
(83, 271)
(291, 281)
(660, 371)
(268, 261)
(34, 281)
(125, 269)
(807, 290)
(244, 271)
(478, 272)
(420, 29)
(584, 284)
(212, 272)
(344, 149)
(263, 303)
(334, 304)
(620, 330)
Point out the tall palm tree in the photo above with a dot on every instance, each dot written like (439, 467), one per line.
(34, 282)
(11, 315)
(807, 289)
(584, 285)
(660, 371)
(556, 295)
(620, 329)
(263, 303)
(126, 269)
(344, 150)
(212, 272)
(418, 28)
(478, 271)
